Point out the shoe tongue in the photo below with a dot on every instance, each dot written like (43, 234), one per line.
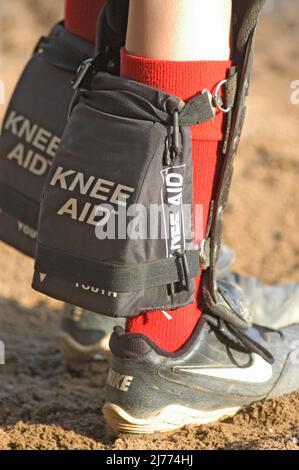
(232, 298)
(229, 304)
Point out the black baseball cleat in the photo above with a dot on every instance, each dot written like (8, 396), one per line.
(274, 306)
(218, 372)
(85, 335)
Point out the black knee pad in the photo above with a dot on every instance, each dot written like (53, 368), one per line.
(126, 152)
(32, 129)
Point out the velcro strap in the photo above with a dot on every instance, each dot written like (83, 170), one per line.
(19, 206)
(197, 110)
(124, 103)
(116, 277)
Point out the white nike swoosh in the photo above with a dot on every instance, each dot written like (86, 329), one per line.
(259, 371)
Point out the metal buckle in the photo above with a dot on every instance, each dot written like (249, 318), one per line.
(217, 100)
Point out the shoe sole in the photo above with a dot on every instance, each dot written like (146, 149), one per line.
(74, 351)
(169, 419)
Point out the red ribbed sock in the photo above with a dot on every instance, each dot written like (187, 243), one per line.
(81, 17)
(182, 79)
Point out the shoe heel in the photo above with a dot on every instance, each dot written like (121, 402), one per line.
(74, 351)
(168, 419)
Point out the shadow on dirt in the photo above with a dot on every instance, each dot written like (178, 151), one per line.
(36, 385)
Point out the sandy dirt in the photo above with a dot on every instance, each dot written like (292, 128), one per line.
(46, 406)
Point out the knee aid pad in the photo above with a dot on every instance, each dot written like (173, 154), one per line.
(115, 232)
(32, 129)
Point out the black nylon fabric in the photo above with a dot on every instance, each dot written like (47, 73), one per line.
(65, 50)
(114, 277)
(72, 264)
(113, 24)
(32, 128)
(112, 30)
(130, 105)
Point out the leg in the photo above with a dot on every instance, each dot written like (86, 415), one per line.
(181, 30)
(171, 46)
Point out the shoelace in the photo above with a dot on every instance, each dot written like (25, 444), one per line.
(239, 337)
(252, 346)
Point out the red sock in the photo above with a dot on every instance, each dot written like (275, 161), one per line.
(182, 79)
(81, 17)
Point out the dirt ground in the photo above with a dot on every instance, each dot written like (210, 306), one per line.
(45, 406)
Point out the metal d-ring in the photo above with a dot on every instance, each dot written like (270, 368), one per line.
(218, 101)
